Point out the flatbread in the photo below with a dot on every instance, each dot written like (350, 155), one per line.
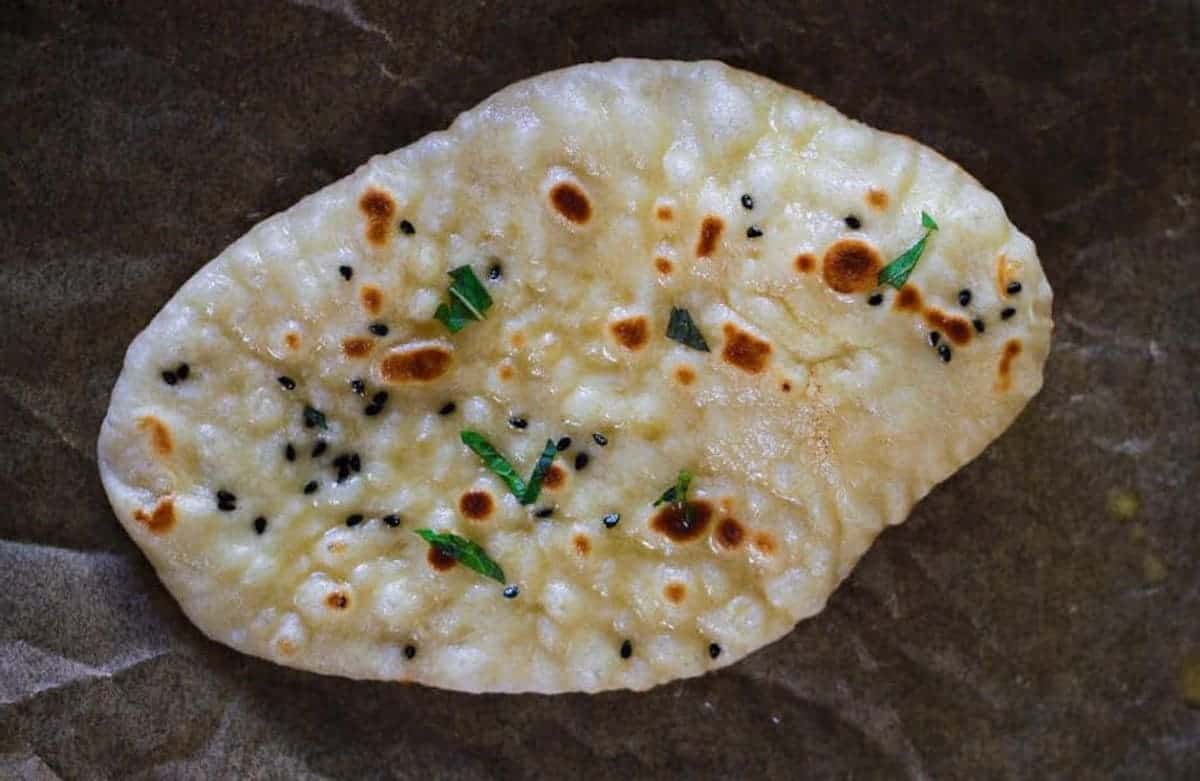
(590, 202)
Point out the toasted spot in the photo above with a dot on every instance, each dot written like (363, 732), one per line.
(439, 559)
(745, 351)
(1007, 270)
(632, 333)
(909, 298)
(958, 329)
(851, 266)
(379, 209)
(505, 371)
(555, 477)
(583, 545)
(730, 533)
(357, 346)
(877, 199)
(675, 592)
(710, 234)
(679, 526)
(571, 202)
(476, 505)
(416, 363)
(518, 339)
(785, 386)
(765, 543)
(663, 265)
(285, 646)
(1012, 348)
(664, 213)
(160, 435)
(160, 519)
(292, 340)
(337, 600)
(806, 262)
(685, 375)
(372, 299)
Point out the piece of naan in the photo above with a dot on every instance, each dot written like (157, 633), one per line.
(662, 269)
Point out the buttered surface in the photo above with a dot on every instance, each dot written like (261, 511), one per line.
(589, 202)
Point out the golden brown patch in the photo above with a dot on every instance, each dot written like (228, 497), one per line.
(518, 340)
(877, 199)
(685, 375)
(379, 209)
(710, 234)
(851, 266)
(160, 435)
(958, 329)
(675, 592)
(806, 262)
(357, 346)
(337, 600)
(476, 505)
(505, 372)
(571, 202)
(1006, 271)
(555, 477)
(1012, 348)
(632, 333)
(285, 646)
(664, 213)
(730, 533)
(583, 546)
(415, 364)
(909, 298)
(439, 559)
(372, 299)
(679, 526)
(292, 340)
(745, 351)
(765, 543)
(785, 386)
(663, 265)
(160, 519)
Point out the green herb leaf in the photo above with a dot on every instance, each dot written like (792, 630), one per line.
(539, 473)
(464, 551)
(683, 330)
(469, 300)
(495, 462)
(896, 273)
(314, 417)
(676, 494)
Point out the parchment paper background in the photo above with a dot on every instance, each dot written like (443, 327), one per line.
(1017, 626)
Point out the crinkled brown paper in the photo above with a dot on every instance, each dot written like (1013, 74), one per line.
(1034, 618)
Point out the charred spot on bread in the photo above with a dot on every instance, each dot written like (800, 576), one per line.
(957, 329)
(379, 208)
(851, 266)
(160, 435)
(476, 505)
(415, 363)
(1012, 348)
(632, 333)
(908, 299)
(357, 346)
(744, 350)
(710, 233)
(678, 525)
(372, 299)
(569, 200)
(160, 519)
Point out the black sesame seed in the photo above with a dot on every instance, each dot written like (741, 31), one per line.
(853, 223)
(753, 232)
(372, 409)
(346, 272)
(260, 525)
(342, 460)
(979, 325)
(287, 382)
(380, 398)
(319, 448)
(1007, 313)
(934, 338)
(581, 460)
(964, 297)
(354, 520)
(875, 299)
(495, 272)
(563, 444)
(407, 228)
(600, 439)
(225, 496)
(448, 408)
(410, 651)
(518, 422)
(343, 474)
(714, 650)
(226, 507)
(511, 592)
(611, 520)
(313, 417)
(747, 201)
(170, 378)
(943, 351)
(626, 649)
(183, 369)
(544, 512)
(355, 462)
(310, 487)
(379, 329)
(289, 452)
(358, 386)
(1012, 289)
(392, 520)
